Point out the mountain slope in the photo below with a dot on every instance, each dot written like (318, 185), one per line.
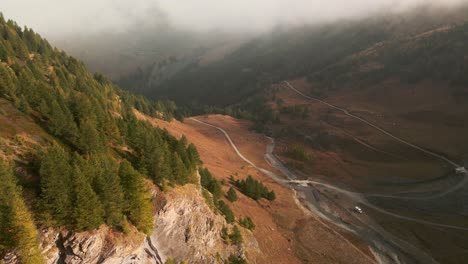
(318, 52)
(81, 157)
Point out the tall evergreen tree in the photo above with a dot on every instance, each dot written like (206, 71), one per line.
(231, 195)
(226, 211)
(87, 211)
(17, 230)
(236, 236)
(7, 87)
(56, 185)
(109, 188)
(179, 170)
(138, 204)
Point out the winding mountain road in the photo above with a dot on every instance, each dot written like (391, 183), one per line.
(280, 180)
(357, 197)
(277, 164)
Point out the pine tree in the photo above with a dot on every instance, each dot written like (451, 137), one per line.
(231, 195)
(247, 223)
(163, 168)
(56, 185)
(255, 189)
(179, 170)
(226, 211)
(210, 183)
(88, 212)
(109, 189)
(138, 204)
(182, 152)
(236, 237)
(90, 140)
(193, 155)
(235, 260)
(17, 229)
(7, 87)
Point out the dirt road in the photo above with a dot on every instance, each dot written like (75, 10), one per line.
(386, 247)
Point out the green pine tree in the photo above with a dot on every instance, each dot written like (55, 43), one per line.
(179, 170)
(56, 186)
(247, 223)
(88, 212)
(226, 211)
(236, 237)
(231, 195)
(138, 204)
(17, 229)
(109, 189)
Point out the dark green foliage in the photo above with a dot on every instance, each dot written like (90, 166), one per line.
(92, 126)
(56, 186)
(108, 186)
(231, 195)
(137, 198)
(247, 223)
(162, 156)
(210, 183)
(17, 229)
(77, 193)
(87, 210)
(255, 189)
(179, 170)
(235, 236)
(226, 211)
(235, 260)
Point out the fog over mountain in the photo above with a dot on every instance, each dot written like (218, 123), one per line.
(58, 17)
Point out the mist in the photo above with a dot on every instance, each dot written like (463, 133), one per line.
(58, 17)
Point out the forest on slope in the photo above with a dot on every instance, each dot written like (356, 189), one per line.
(86, 161)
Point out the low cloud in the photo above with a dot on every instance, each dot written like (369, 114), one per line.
(55, 17)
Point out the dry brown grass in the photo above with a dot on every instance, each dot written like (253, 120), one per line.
(349, 159)
(285, 233)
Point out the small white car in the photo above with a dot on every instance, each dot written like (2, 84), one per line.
(358, 209)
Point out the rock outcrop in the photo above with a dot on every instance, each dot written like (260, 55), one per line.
(100, 246)
(186, 228)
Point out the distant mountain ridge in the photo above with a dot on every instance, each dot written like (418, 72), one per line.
(300, 52)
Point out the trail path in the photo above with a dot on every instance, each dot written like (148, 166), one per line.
(346, 112)
(462, 183)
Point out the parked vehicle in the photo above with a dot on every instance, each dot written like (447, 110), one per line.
(358, 209)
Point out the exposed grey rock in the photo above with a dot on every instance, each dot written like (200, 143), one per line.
(185, 229)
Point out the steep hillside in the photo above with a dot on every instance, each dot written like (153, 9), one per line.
(79, 166)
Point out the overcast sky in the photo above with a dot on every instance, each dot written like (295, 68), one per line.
(51, 17)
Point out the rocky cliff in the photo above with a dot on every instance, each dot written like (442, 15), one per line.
(186, 228)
